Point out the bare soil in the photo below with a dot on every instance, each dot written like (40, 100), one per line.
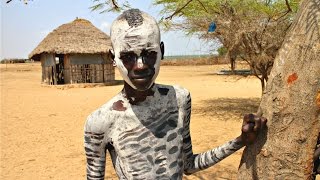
(41, 130)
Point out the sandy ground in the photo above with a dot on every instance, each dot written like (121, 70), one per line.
(41, 128)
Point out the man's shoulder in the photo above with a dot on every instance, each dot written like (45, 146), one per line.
(101, 118)
(181, 90)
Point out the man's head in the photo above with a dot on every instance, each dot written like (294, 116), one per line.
(135, 38)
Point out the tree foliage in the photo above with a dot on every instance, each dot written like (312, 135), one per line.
(251, 29)
(222, 51)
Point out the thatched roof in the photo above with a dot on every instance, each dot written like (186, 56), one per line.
(78, 36)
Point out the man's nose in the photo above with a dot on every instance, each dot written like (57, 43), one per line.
(140, 66)
(140, 63)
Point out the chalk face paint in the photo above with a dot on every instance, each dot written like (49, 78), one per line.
(140, 67)
(135, 38)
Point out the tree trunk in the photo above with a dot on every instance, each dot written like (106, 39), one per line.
(233, 64)
(232, 59)
(291, 103)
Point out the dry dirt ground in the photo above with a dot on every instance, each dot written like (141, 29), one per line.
(42, 128)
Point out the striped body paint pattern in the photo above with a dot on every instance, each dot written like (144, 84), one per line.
(148, 140)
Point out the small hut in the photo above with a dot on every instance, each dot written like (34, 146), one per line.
(76, 52)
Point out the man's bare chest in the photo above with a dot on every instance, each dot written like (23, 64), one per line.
(150, 141)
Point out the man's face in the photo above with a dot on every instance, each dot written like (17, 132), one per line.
(135, 40)
(140, 67)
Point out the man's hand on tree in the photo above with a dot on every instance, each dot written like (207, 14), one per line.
(251, 127)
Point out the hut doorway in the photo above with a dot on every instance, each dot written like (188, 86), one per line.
(59, 58)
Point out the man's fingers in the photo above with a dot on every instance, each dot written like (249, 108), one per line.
(263, 122)
(248, 118)
(257, 123)
(247, 127)
(245, 119)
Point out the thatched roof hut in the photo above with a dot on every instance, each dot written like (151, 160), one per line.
(78, 51)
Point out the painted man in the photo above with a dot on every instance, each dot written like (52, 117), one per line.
(145, 127)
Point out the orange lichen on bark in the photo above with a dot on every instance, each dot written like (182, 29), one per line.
(293, 77)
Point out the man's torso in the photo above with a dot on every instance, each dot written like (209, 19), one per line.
(146, 140)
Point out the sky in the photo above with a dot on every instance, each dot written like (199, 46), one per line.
(23, 27)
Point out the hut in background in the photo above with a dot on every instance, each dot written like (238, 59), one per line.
(76, 52)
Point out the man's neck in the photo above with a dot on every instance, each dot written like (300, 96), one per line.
(134, 96)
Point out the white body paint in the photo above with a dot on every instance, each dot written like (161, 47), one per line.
(140, 62)
(126, 38)
(149, 140)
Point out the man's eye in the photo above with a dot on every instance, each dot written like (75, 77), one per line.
(127, 58)
(150, 54)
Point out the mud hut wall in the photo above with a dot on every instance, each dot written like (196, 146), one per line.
(90, 68)
(66, 70)
(48, 69)
(108, 69)
(43, 74)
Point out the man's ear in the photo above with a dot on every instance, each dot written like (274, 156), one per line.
(162, 49)
(111, 52)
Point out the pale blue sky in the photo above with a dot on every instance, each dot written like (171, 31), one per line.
(24, 26)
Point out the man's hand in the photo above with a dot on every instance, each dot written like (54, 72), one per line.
(251, 127)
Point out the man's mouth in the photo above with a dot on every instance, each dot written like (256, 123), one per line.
(141, 80)
(142, 77)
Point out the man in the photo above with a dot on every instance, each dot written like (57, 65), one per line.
(316, 159)
(145, 127)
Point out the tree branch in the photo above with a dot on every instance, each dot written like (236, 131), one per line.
(25, 1)
(178, 10)
(288, 6)
(288, 11)
(114, 4)
(203, 6)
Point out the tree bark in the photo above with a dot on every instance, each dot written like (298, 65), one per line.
(291, 103)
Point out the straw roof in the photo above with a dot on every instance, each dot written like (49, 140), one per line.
(78, 36)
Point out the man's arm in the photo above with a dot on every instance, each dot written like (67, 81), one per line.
(95, 151)
(195, 162)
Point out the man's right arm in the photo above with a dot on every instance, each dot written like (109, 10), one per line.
(95, 150)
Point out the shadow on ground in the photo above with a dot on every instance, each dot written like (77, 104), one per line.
(217, 172)
(227, 107)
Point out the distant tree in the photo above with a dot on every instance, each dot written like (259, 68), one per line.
(253, 29)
